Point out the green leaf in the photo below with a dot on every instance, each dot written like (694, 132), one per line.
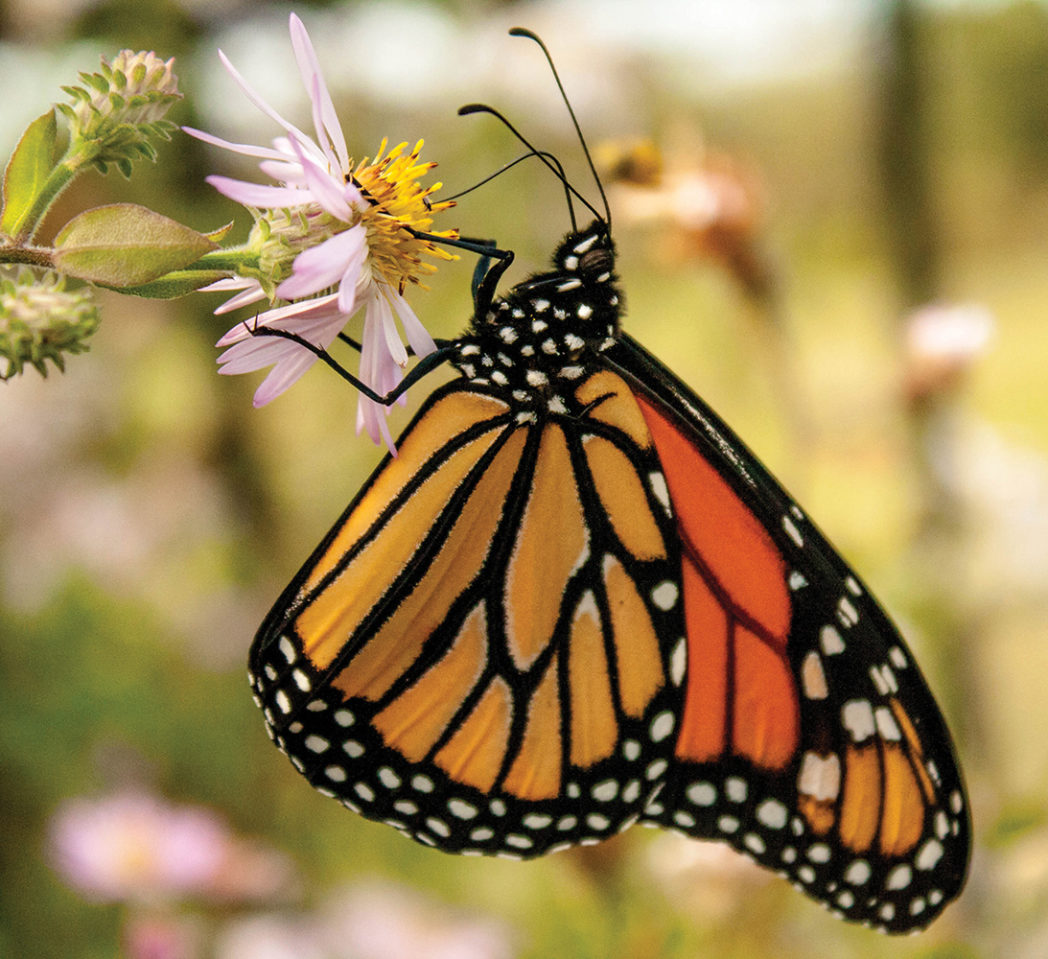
(27, 171)
(125, 245)
(176, 283)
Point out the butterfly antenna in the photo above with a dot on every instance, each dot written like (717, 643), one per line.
(523, 32)
(556, 169)
(541, 154)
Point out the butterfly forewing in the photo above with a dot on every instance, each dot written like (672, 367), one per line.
(485, 651)
(809, 738)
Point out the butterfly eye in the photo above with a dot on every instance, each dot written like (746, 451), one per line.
(595, 262)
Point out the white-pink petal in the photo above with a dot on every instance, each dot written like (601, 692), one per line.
(322, 266)
(329, 190)
(258, 101)
(246, 149)
(258, 194)
(418, 336)
(325, 118)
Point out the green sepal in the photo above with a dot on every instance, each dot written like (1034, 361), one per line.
(176, 283)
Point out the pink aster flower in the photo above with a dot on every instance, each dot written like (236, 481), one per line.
(137, 848)
(134, 847)
(332, 238)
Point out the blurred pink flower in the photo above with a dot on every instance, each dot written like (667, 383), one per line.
(137, 848)
(370, 921)
(132, 846)
(942, 342)
(152, 936)
(384, 921)
(350, 232)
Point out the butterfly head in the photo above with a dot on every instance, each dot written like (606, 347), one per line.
(539, 335)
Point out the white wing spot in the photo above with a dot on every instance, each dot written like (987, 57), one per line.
(754, 843)
(886, 724)
(597, 821)
(520, 842)
(792, 531)
(438, 826)
(929, 855)
(819, 852)
(461, 809)
(830, 640)
(353, 749)
(772, 813)
(283, 703)
(797, 581)
(899, 878)
(302, 681)
(631, 749)
(735, 789)
(336, 774)
(657, 483)
(728, 824)
(317, 744)
(661, 726)
(344, 717)
(605, 791)
(482, 834)
(388, 778)
(679, 662)
(858, 873)
(846, 612)
(364, 791)
(820, 776)
(857, 718)
(537, 820)
(664, 596)
(655, 770)
(422, 784)
(898, 657)
(702, 794)
(287, 649)
(405, 807)
(813, 678)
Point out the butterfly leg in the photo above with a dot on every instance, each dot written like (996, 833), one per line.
(426, 365)
(486, 275)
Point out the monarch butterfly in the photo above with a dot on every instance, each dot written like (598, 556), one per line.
(575, 601)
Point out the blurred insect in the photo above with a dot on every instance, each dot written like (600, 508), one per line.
(575, 600)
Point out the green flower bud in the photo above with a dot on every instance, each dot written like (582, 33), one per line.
(40, 320)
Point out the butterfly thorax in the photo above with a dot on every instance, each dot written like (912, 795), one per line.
(532, 344)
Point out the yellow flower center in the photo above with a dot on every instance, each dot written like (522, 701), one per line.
(396, 202)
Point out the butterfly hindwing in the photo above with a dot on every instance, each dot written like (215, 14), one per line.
(840, 773)
(483, 651)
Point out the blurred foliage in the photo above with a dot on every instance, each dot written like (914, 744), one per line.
(150, 516)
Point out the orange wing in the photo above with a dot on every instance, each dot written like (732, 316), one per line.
(809, 739)
(483, 650)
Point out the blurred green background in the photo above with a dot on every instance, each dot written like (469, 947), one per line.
(853, 163)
